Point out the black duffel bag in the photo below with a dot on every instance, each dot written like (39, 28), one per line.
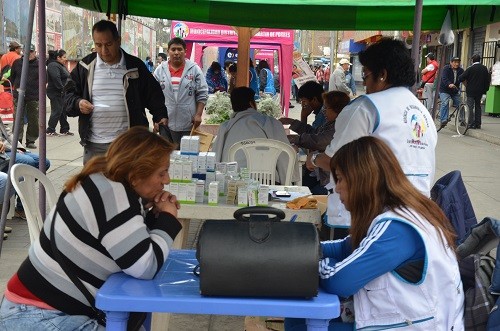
(258, 256)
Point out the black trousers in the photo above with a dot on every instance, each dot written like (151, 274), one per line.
(475, 112)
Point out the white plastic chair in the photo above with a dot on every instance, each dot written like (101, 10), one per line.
(262, 156)
(23, 179)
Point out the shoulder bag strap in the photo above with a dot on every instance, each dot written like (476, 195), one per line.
(99, 315)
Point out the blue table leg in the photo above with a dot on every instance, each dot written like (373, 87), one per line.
(116, 320)
(317, 324)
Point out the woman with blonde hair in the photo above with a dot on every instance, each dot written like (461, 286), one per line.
(113, 216)
(399, 262)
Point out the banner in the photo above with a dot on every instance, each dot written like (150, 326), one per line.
(301, 71)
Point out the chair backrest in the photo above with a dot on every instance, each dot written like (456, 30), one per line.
(450, 194)
(23, 179)
(262, 157)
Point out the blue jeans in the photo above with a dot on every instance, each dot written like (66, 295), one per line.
(29, 158)
(3, 183)
(23, 317)
(445, 105)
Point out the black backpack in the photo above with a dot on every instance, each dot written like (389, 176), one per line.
(477, 266)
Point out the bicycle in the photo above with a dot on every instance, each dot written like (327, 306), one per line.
(460, 113)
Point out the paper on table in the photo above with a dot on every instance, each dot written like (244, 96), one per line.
(101, 105)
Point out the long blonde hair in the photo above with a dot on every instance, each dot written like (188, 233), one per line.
(376, 183)
(135, 154)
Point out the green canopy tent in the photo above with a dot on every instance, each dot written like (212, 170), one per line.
(307, 14)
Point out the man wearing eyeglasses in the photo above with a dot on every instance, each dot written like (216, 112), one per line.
(109, 91)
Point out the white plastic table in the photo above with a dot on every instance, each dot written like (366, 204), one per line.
(225, 211)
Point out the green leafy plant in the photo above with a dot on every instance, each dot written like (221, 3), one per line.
(269, 106)
(220, 110)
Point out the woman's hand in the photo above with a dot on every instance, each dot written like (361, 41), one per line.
(166, 202)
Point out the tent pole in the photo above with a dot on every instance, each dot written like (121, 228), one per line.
(415, 44)
(20, 115)
(42, 101)
(244, 36)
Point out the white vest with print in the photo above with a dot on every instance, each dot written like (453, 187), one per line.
(436, 302)
(406, 126)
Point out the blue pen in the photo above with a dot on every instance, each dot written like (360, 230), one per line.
(294, 217)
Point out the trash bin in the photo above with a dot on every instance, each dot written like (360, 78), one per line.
(493, 100)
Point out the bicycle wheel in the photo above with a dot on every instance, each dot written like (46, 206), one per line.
(437, 117)
(462, 119)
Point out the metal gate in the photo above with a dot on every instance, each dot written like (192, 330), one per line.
(490, 52)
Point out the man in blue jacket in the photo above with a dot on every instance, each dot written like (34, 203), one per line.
(449, 88)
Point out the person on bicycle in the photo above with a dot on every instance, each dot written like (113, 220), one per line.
(449, 87)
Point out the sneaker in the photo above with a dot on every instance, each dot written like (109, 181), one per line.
(52, 134)
(20, 214)
(5, 236)
(67, 133)
(31, 145)
(8, 229)
(443, 124)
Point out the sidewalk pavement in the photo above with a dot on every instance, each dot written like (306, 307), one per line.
(65, 154)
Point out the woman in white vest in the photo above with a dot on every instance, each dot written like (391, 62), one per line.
(399, 262)
(389, 111)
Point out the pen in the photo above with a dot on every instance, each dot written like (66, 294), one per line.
(293, 218)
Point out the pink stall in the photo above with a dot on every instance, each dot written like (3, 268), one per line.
(199, 35)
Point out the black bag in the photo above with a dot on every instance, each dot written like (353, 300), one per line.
(4, 160)
(258, 256)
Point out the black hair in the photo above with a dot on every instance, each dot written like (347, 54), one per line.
(54, 54)
(431, 56)
(163, 56)
(215, 66)
(227, 64)
(310, 90)
(393, 57)
(148, 58)
(233, 68)
(476, 58)
(263, 64)
(241, 97)
(177, 41)
(104, 25)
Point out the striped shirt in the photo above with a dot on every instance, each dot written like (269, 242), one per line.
(101, 228)
(110, 116)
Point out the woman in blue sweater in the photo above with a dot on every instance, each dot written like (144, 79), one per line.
(399, 260)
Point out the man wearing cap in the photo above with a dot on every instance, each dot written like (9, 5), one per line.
(429, 73)
(338, 81)
(449, 87)
(30, 97)
(8, 59)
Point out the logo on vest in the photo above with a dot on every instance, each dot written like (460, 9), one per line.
(419, 124)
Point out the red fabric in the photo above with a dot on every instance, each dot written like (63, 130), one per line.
(431, 75)
(15, 286)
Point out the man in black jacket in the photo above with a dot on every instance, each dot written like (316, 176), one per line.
(449, 87)
(30, 98)
(477, 81)
(109, 90)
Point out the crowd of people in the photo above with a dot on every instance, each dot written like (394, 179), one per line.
(373, 155)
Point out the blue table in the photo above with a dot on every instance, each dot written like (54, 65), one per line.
(176, 290)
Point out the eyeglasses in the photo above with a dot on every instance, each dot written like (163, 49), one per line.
(364, 75)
